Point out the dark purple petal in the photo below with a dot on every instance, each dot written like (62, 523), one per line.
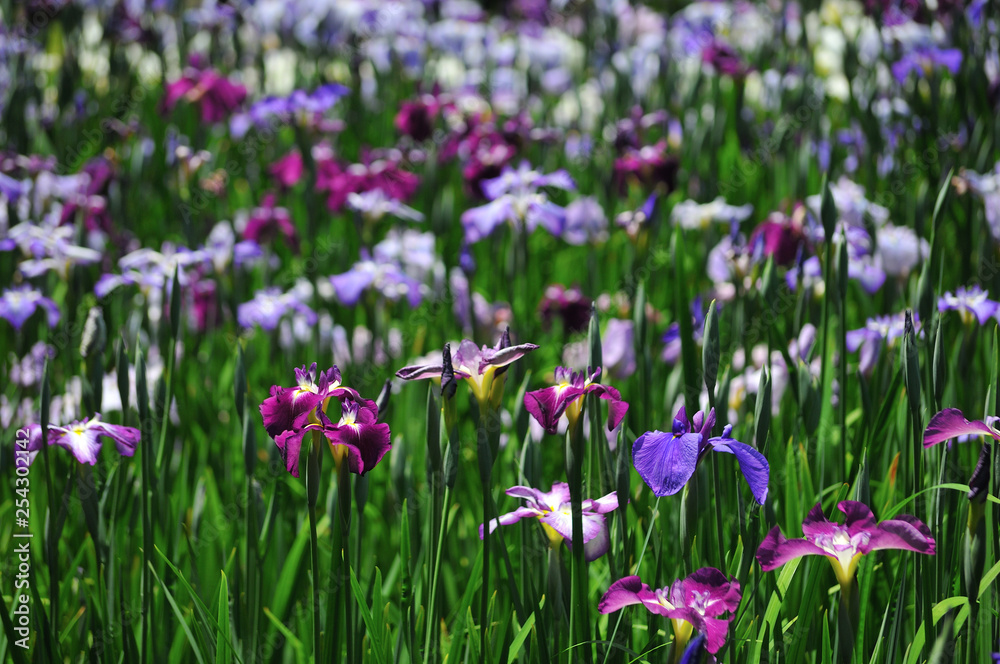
(775, 550)
(664, 461)
(366, 439)
(950, 423)
(290, 446)
(859, 516)
(287, 408)
(753, 465)
(616, 406)
(549, 404)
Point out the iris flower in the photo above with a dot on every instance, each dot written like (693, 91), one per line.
(515, 198)
(358, 433)
(19, 303)
(951, 423)
(566, 397)
(479, 366)
(844, 544)
(552, 509)
(83, 438)
(290, 412)
(693, 604)
(666, 461)
(970, 303)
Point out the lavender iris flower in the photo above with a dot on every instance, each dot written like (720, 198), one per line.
(27, 371)
(386, 276)
(271, 305)
(694, 604)
(666, 461)
(83, 438)
(877, 330)
(49, 248)
(17, 304)
(987, 188)
(971, 304)
(479, 366)
(843, 545)
(552, 509)
(515, 198)
(586, 222)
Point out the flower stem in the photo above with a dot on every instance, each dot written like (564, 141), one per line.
(312, 493)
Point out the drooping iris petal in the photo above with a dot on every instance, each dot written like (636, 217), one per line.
(628, 591)
(126, 438)
(665, 461)
(752, 463)
(289, 444)
(950, 423)
(510, 518)
(776, 550)
(904, 532)
(359, 432)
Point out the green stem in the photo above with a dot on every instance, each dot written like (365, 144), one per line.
(578, 610)
(344, 500)
(312, 493)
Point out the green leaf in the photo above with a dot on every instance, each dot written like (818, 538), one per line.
(223, 650)
(375, 633)
(519, 639)
(181, 618)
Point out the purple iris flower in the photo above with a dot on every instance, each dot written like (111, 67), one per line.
(290, 407)
(672, 337)
(48, 247)
(666, 461)
(585, 222)
(970, 303)
(924, 58)
(307, 108)
(566, 397)
(17, 304)
(83, 438)
(268, 306)
(357, 434)
(552, 509)
(515, 198)
(877, 330)
(693, 604)
(27, 371)
(384, 275)
(951, 423)
(635, 221)
(844, 544)
(479, 366)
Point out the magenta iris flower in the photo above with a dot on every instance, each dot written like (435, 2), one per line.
(970, 303)
(83, 438)
(478, 366)
(694, 604)
(951, 423)
(215, 95)
(290, 412)
(844, 544)
(357, 433)
(552, 509)
(666, 461)
(566, 397)
(515, 199)
(290, 407)
(19, 303)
